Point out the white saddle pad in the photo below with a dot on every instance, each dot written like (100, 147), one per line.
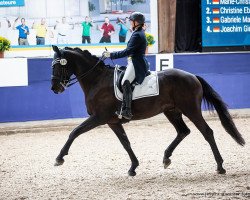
(148, 88)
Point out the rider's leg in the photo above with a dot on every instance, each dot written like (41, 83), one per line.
(128, 78)
(129, 73)
(127, 99)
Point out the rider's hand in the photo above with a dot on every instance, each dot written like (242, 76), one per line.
(106, 54)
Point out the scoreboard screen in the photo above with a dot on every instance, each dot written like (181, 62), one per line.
(225, 23)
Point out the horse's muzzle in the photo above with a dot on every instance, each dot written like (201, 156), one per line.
(57, 89)
(56, 92)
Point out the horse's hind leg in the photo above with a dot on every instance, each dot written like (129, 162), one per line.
(120, 133)
(175, 118)
(196, 117)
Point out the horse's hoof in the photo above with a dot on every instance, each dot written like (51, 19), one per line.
(131, 173)
(221, 171)
(166, 162)
(59, 162)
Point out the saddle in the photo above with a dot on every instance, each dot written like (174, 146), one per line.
(149, 86)
(120, 73)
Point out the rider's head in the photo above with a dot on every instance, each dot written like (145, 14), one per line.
(137, 19)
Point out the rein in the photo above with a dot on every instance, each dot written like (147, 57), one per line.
(63, 62)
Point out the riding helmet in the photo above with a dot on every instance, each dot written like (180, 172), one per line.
(137, 16)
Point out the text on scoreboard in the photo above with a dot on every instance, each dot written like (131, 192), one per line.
(225, 23)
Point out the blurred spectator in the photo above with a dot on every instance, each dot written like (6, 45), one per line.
(127, 23)
(4, 26)
(41, 31)
(23, 31)
(62, 31)
(86, 25)
(107, 29)
(123, 30)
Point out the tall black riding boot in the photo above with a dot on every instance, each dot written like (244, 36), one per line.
(127, 99)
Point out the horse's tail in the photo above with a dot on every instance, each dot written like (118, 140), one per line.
(213, 100)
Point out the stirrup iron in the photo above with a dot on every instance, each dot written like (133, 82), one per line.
(119, 114)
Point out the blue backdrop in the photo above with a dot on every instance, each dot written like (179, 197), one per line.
(37, 102)
(229, 74)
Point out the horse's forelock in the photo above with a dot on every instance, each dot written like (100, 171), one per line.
(59, 54)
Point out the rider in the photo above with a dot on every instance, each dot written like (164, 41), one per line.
(137, 67)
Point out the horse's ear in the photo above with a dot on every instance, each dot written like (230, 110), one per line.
(56, 49)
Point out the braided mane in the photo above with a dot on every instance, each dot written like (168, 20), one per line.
(87, 54)
(84, 53)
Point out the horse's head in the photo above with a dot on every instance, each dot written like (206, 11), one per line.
(70, 61)
(61, 72)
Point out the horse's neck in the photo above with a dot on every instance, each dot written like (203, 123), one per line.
(97, 77)
(79, 64)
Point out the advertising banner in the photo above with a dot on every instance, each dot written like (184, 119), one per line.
(13, 3)
(13, 72)
(84, 24)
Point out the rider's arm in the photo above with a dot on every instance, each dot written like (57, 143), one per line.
(133, 45)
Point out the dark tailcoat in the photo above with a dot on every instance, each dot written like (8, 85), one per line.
(136, 48)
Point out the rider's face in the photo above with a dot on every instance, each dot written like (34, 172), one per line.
(132, 24)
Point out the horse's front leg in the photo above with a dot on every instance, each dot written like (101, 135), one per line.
(87, 125)
(120, 133)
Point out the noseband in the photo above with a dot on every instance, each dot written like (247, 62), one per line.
(64, 75)
(64, 78)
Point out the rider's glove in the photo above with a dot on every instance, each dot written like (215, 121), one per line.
(106, 54)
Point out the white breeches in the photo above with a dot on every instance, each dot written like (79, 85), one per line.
(129, 73)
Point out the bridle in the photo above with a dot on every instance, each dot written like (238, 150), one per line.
(64, 78)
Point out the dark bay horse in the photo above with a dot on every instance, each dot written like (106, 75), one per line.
(181, 93)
